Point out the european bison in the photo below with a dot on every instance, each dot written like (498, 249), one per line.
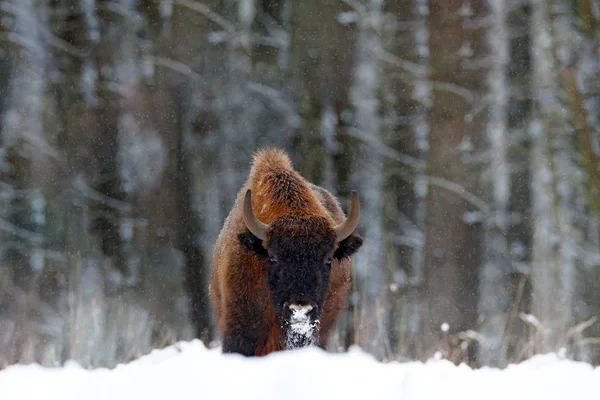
(281, 267)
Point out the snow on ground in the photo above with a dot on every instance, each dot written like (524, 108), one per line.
(190, 371)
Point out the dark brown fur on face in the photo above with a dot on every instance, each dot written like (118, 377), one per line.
(301, 218)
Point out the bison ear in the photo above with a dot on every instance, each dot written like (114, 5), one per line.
(348, 246)
(253, 244)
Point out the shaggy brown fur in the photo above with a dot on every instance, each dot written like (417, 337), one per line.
(247, 317)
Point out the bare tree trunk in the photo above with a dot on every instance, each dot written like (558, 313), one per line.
(584, 90)
(495, 300)
(453, 238)
(553, 264)
(322, 55)
(518, 227)
(369, 180)
(403, 113)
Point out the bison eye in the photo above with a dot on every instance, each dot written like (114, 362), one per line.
(328, 262)
(272, 260)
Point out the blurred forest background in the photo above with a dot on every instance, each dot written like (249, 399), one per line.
(470, 129)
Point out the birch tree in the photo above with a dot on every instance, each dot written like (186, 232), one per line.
(495, 300)
(552, 174)
(369, 178)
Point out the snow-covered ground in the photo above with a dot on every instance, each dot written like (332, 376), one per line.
(189, 371)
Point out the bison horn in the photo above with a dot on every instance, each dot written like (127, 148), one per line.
(344, 229)
(257, 228)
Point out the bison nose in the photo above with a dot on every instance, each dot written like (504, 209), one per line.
(300, 313)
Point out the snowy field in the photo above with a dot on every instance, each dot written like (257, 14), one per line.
(190, 371)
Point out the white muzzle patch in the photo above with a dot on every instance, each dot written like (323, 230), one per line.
(301, 331)
(300, 313)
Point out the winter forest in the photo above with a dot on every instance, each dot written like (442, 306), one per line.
(469, 129)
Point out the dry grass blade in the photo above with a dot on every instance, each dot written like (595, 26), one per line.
(592, 340)
(533, 321)
(582, 326)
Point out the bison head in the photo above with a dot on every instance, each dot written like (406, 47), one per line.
(300, 252)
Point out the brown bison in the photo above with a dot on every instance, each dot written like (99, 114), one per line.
(281, 267)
